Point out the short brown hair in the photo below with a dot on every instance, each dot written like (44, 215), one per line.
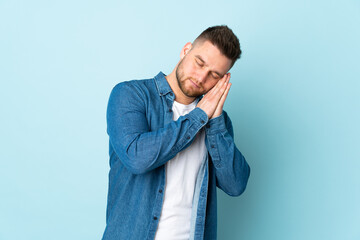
(224, 39)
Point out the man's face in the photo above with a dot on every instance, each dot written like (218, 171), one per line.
(201, 68)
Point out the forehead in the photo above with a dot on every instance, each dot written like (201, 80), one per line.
(212, 56)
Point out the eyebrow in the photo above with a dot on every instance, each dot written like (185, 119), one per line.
(202, 60)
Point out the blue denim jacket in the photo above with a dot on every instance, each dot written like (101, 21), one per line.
(143, 137)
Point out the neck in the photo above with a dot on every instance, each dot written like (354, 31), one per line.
(179, 95)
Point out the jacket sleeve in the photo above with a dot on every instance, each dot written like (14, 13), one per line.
(138, 148)
(231, 169)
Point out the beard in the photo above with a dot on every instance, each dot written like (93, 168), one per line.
(182, 79)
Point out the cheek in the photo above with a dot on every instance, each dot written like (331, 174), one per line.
(190, 70)
(210, 84)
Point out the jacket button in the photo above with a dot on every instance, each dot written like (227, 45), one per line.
(170, 110)
(188, 137)
(202, 121)
(212, 146)
(155, 218)
(160, 191)
(208, 126)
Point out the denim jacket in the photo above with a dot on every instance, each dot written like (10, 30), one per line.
(142, 138)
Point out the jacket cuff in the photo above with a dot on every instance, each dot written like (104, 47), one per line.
(199, 117)
(216, 125)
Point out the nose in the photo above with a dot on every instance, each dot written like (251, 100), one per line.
(202, 75)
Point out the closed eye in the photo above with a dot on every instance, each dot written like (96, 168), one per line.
(199, 63)
(215, 76)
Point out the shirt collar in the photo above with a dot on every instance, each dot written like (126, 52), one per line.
(162, 84)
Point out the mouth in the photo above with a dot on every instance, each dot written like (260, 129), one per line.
(194, 84)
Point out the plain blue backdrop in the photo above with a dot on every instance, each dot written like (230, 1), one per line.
(294, 103)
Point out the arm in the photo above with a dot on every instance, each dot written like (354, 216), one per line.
(139, 149)
(231, 169)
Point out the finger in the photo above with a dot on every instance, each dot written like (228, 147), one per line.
(217, 91)
(220, 105)
(224, 96)
(224, 86)
(222, 81)
(221, 85)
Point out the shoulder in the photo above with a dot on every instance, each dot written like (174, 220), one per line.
(134, 87)
(135, 93)
(141, 91)
(226, 117)
(228, 122)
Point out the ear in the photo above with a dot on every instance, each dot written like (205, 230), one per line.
(185, 49)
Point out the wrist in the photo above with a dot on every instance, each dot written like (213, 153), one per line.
(216, 114)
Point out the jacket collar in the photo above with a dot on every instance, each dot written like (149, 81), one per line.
(162, 84)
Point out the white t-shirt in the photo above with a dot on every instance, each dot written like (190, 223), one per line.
(181, 173)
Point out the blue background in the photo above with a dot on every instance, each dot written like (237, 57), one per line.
(294, 103)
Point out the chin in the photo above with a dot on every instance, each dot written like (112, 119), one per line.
(193, 94)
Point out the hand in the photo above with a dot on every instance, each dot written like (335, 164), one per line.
(213, 101)
(219, 108)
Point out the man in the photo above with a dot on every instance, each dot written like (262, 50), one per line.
(171, 144)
